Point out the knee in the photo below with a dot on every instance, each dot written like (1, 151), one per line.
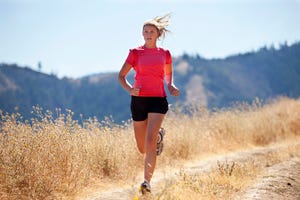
(141, 149)
(151, 144)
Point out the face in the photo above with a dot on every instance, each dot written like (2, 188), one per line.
(150, 33)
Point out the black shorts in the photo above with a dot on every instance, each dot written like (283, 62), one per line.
(141, 106)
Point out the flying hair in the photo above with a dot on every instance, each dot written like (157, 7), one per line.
(161, 23)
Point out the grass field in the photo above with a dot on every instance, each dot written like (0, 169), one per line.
(53, 156)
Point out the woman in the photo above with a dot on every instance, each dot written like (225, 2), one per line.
(149, 105)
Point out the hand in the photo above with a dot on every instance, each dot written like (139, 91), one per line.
(135, 91)
(173, 90)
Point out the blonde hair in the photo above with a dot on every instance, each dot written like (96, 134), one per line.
(160, 23)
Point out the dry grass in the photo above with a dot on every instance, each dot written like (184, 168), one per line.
(52, 156)
(220, 183)
(236, 128)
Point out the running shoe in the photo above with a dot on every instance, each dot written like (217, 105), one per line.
(145, 188)
(160, 144)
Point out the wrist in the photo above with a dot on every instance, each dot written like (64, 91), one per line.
(170, 84)
(169, 79)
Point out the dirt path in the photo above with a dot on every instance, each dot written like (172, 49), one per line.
(279, 181)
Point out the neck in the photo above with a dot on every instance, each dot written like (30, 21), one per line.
(150, 46)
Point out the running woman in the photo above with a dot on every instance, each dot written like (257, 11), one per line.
(152, 65)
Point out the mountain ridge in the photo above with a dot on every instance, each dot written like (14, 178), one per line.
(264, 74)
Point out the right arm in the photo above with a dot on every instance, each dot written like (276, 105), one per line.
(123, 81)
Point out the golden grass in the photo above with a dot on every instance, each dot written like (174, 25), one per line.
(52, 156)
(237, 128)
(220, 183)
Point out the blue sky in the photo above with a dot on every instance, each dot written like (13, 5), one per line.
(75, 38)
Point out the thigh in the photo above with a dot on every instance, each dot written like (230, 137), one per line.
(140, 127)
(140, 130)
(154, 123)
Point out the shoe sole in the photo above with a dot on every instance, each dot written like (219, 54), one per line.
(160, 148)
(144, 190)
(160, 145)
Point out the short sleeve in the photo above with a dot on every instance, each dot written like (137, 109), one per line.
(131, 58)
(168, 57)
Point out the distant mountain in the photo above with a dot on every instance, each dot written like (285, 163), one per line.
(264, 74)
(97, 95)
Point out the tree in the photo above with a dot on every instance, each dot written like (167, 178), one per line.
(40, 66)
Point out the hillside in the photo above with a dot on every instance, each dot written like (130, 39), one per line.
(263, 74)
(22, 88)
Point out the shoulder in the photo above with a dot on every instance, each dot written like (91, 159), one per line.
(136, 49)
(167, 55)
(166, 51)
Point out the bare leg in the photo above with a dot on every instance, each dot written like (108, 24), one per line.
(140, 128)
(153, 126)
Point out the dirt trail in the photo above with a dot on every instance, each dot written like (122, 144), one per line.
(280, 181)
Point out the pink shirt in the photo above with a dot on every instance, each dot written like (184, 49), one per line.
(149, 66)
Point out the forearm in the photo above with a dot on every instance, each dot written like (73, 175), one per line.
(122, 77)
(124, 83)
(169, 74)
(169, 78)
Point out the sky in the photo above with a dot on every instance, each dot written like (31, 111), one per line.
(75, 38)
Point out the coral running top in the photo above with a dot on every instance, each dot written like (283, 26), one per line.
(149, 65)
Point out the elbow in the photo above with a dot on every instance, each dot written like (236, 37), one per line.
(121, 78)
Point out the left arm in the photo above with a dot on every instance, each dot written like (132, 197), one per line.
(169, 79)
